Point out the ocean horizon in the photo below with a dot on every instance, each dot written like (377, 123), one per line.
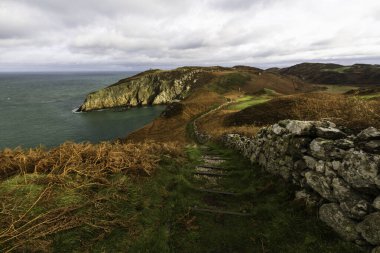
(37, 109)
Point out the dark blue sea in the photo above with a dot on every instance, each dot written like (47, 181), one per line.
(36, 109)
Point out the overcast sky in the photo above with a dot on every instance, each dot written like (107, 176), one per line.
(141, 34)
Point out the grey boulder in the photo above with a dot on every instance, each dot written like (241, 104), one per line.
(334, 217)
(370, 133)
(369, 228)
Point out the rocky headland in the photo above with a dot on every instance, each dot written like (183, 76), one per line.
(152, 87)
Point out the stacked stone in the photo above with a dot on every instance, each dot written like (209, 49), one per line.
(336, 171)
(202, 137)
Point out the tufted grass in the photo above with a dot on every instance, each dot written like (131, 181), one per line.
(248, 101)
(126, 213)
(337, 89)
(229, 81)
(278, 224)
(77, 196)
(351, 112)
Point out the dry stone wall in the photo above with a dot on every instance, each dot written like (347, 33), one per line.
(336, 171)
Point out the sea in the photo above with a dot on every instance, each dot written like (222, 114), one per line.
(38, 109)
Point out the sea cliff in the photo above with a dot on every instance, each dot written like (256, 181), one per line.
(151, 87)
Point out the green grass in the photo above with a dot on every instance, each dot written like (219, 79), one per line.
(278, 224)
(228, 82)
(338, 89)
(371, 96)
(248, 101)
(157, 209)
(338, 70)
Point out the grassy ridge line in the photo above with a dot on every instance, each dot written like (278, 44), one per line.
(248, 101)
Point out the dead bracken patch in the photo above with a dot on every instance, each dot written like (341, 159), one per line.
(213, 125)
(90, 160)
(351, 112)
(81, 186)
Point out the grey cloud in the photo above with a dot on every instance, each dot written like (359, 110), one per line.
(152, 33)
(322, 43)
(239, 5)
(190, 44)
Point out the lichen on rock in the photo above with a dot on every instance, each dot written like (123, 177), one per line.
(334, 217)
(336, 170)
(370, 228)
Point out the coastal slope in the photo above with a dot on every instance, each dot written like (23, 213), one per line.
(151, 87)
(155, 87)
(327, 73)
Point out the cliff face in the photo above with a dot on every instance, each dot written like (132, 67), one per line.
(148, 88)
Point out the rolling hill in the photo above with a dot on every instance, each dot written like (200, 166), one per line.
(321, 73)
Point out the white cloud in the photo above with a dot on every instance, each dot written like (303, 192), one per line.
(86, 34)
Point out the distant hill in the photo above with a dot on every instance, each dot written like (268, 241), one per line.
(321, 73)
(166, 86)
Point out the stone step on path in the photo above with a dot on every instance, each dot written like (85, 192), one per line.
(214, 155)
(218, 211)
(204, 148)
(217, 192)
(210, 174)
(210, 167)
(211, 182)
(211, 171)
(213, 162)
(215, 158)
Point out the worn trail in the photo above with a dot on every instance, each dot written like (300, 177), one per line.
(211, 176)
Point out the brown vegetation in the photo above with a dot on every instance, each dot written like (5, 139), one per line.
(174, 128)
(81, 186)
(253, 81)
(278, 83)
(214, 126)
(328, 73)
(86, 159)
(347, 111)
(208, 93)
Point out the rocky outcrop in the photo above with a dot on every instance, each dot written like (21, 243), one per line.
(335, 171)
(148, 88)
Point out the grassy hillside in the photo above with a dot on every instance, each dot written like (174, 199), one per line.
(352, 112)
(77, 197)
(173, 123)
(126, 209)
(136, 195)
(248, 85)
(320, 73)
